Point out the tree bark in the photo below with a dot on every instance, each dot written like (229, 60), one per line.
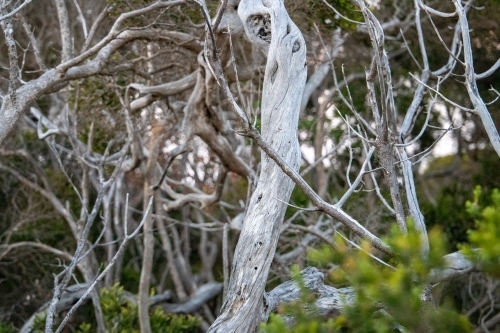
(268, 25)
(148, 237)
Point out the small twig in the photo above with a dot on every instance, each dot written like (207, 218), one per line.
(409, 50)
(82, 19)
(496, 98)
(93, 29)
(362, 250)
(14, 11)
(314, 232)
(342, 16)
(429, 111)
(441, 39)
(220, 13)
(429, 149)
(172, 156)
(354, 185)
(312, 209)
(489, 71)
(233, 60)
(442, 96)
(351, 128)
(225, 259)
(208, 25)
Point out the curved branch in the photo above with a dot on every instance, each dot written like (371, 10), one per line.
(470, 80)
(6, 248)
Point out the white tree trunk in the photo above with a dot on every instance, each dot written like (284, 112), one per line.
(268, 25)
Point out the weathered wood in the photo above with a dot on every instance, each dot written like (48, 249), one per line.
(196, 300)
(268, 25)
(330, 300)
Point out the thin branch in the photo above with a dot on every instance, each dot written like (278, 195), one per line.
(106, 269)
(442, 41)
(14, 11)
(342, 16)
(434, 11)
(424, 127)
(364, 251)
(65, 29)
(313, 209)
(356, 182)
(220, 13)
(81, 19)
(93, 29)
(323, 206)
(225, 259)
(443, 97)
(470, 80)
(33, 42)
(318, 234)
(6, 248)
(489, 71)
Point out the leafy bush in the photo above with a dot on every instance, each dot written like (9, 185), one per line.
(6, 328)
(387, 297)
(484, 241)
(121, 315)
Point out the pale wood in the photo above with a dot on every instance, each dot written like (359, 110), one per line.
(268, 25)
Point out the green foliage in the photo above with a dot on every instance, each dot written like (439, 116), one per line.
(84, 328)
(98, 108)
(121, 6)
(97, 93)
(167, 323)
(308, 124)
(448, 212)
(6, 328)
(190, 12)
(130, 277)
(390, 296)
(318, 12)
(121, 315)
(484, 241)
(386, 296)
(39, 323)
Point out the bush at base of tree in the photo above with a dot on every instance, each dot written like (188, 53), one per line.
(388, 298)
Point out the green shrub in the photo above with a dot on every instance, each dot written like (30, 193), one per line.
(121, 315)
(387, 297)
(6, 328)
(484, 241)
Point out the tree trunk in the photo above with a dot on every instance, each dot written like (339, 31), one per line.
(268, 25)
(147, 229)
